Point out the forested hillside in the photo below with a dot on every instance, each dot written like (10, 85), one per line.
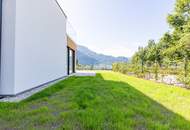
(171, 54)
(86, 56)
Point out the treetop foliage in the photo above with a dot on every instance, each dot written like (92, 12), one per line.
(173, 48)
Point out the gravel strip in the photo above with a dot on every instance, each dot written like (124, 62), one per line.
(31, 92)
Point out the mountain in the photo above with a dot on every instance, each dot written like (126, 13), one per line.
(86, 56)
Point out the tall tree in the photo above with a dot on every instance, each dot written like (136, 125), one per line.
(142, 57)
(184, 48)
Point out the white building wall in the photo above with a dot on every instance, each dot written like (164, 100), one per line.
(40, 45)
(7, 47)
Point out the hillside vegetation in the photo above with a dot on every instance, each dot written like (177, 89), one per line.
(171, 54)
(86, 56)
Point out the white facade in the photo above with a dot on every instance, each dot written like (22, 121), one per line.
(33, 45)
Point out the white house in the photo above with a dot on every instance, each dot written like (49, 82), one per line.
(35, 48)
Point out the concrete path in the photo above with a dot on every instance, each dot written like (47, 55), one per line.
(27, 94)
(85, 73)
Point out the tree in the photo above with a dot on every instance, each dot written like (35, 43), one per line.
(154, 56)
(184, 48)
(150, 52)
(142, 57)
(172, 49)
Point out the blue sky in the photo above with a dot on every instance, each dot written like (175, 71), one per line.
(117, 27)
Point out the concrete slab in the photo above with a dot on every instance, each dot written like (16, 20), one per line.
(85, 73)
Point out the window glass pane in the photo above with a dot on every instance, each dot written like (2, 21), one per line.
(71, 62)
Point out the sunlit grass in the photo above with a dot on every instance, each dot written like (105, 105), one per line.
(109, 101)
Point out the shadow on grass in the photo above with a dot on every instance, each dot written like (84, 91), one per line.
(109, 105)
(123, 107)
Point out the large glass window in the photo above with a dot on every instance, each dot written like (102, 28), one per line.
(71, 61)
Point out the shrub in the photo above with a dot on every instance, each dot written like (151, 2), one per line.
(184, 80)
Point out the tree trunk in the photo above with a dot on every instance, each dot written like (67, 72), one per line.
(156, 70)
(142, 67)
(186, 67)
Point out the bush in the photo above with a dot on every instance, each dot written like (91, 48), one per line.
(124, 68)
(184, 80)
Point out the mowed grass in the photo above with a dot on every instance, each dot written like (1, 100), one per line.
(109, 101)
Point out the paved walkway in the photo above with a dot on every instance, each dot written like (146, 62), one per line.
(85, 73)
(29, 93)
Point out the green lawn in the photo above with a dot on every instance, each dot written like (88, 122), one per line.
(109, 101)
